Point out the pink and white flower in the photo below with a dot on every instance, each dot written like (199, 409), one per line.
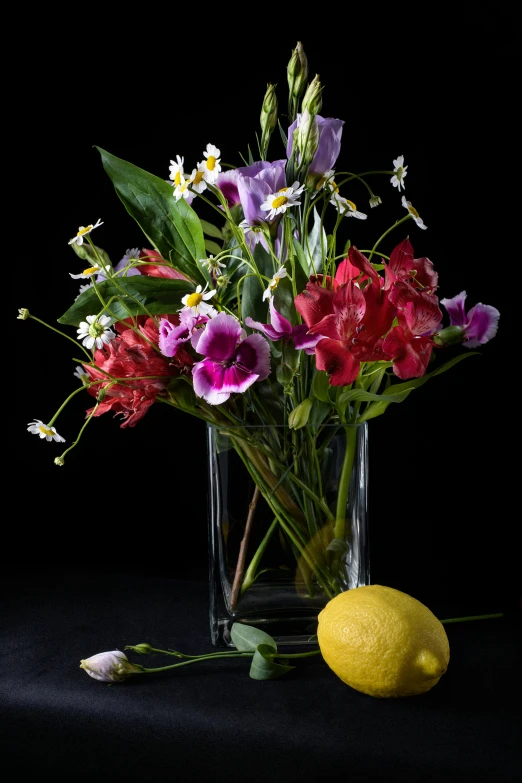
(232, 362)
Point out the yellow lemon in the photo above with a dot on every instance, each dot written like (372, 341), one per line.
(383, 642)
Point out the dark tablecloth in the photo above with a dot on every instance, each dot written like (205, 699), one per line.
(211, 721)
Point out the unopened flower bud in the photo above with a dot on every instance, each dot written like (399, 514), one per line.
(59, 461)
(312, 101)
(269, 110)
(110, 666)
(141, 649)
(375, 201)
(23, 314)
(307, 138)
(451, 335)
(297, 71)
(222, 281)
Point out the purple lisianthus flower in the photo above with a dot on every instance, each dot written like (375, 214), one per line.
(327, 152)
(280, 328)
(231, 364)
(227, 180)
(479, 324)
(253, 191)
(190, 327)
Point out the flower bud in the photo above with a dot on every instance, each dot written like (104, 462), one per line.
(299, 416)
(312, 101)
(307, 138)
(451, 335)
(269, 110)
(297, 71)
(141, 649)
(110, 666)
(59, 461)
(23, 313)
(375, 201)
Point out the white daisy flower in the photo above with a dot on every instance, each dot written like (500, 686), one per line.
(253, 234)
(95, 331)
(92, 270)
(82, 375)
(211, 166)
(177, 172)
(197, 180)
(413, 212)
(327, 180)
(214, 266)
(268, 292)
(37, 427)
(83, 231)
(196, 302)
(346, 207)
(83, 288)
(278, 203)
(182, 190)
(399, 172)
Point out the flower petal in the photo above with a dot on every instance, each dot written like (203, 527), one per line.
(220, 338)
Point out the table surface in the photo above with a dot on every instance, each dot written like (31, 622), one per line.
(211, 721)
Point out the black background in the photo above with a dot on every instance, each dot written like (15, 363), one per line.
(442, 93)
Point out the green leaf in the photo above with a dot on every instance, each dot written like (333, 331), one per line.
(171, 226)
(319, 413)
(317, 244)
(252, 288)
(303, 262)
(263, 666)
(337, 545)
(212, 247)
(321, 386)
(284, 300)
(247, 638)
(211, 230)
(156, 294)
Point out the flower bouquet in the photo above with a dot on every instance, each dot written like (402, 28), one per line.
(267, 322)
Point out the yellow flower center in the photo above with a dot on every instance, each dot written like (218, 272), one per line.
(413, 211)
(274, 283)
(84, 230)
(194, 299)
(351, 205)
(197, 179)
(279, 201)
(91, 270)
(96, 329)
(211, 163)
(46, 430)
(177, 178)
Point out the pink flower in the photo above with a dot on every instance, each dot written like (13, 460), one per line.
(280, 328)
(231, 364)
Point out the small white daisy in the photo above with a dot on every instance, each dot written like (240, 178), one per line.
(37, 427)
(399, 172)
(346, 207)
(327, 180)
(253, 234)
(96, 331)
(268, 292)
(413, 212)
(197, 180)
(278, 203)
(23, 313)
(82, 375)
(182, 190)
(92, 270)
(197, 302)
(83, 288)
(210, 167)
(83, 231)
(214, 266)
(176, 171)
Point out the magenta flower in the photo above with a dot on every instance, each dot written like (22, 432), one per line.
(231, 364)
(280, 328)
(479, 325)
(190, 327)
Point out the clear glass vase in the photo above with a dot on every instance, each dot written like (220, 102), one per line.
(288, 525)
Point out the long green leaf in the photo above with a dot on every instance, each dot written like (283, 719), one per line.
(158, 295)
(247, 638)
(263, 667)
(171, 226)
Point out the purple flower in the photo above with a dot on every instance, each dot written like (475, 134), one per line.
(479, 325)
(227, 180)
(189, 328)
(112, 666)
(280, 328)
(330, 132)
(253, 191)
(231, 364)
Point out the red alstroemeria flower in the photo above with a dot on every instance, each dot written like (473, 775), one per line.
(160, 270)
(353, 317)
(131, 356)
(410, 344)
(418, 272)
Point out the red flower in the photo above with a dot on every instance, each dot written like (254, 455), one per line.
(161, 270)
(130, 356)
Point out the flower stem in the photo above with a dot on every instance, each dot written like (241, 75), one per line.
(472, 617)
(250, 575)
(240, 566)
(344, 482)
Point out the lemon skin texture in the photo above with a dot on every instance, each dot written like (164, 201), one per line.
(382, 642)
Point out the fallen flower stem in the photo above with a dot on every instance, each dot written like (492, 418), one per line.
(472, 617)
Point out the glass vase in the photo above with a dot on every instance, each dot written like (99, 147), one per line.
(288, 525)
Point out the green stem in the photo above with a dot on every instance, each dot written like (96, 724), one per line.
(62, 334)
(344, 482)
(398, 223)
(250, 574)
(472, 617)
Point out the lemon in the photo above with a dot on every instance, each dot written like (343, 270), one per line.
(383, 642)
